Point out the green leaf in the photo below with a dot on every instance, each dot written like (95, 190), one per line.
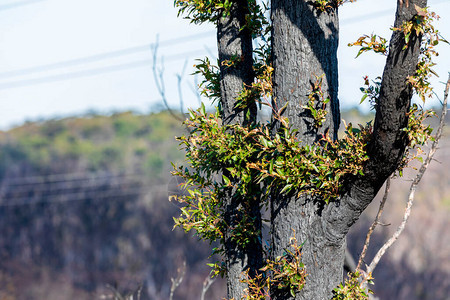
(281, 110)
(286, 188)
(363, 98)
(203, 109)
(292, 292)
(226, 180)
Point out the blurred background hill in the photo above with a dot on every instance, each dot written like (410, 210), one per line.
(84, 212)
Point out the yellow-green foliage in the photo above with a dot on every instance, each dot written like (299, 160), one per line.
(352, 289)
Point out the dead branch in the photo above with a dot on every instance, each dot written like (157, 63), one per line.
(414, 184)
(177, 280)
(158, 75)
(374, 224)
(206, 284)
(194, 88)
(180, 77)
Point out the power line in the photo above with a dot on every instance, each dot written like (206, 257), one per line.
(94, 71)
(64, 177)
(74, 75)
(123, 52)
(103, 56)
(18, 4)
(64, 186)
(80, 196)
(376, 15)
(366, 17)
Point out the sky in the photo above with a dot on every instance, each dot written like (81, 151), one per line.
(66, 57)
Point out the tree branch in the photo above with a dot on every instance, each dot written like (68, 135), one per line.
(414, 184)
(158, 75)
(389, 140)
(234, 43)
(180, 77)
(177, 280)
(374, 224)
(206, 285)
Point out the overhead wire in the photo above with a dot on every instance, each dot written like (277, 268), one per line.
(79, 196)
(63, 186)
(18, 4)
(58, 177)
(123, 52)
(104, 55)
(119, 53)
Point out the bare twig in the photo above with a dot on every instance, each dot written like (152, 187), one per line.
(158, 75)
(206, 284)
(180, 91)
(177, 280)
(194, 88)
(374, 224)
(414, 184)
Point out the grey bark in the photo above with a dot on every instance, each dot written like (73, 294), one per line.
(389, 141)
(235, 41)
(304, 45)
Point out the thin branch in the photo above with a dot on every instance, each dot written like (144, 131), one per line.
(374, 224)
(180, 77)
(206, 284)
(414, 184)
(177, 280)
(158, 75)
(194, 88)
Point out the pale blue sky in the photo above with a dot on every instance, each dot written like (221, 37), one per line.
(63, 57)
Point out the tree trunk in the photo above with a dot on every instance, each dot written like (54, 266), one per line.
(235, 44)
(304, 48)
(304, 45)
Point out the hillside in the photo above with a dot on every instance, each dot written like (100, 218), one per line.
(83, 205)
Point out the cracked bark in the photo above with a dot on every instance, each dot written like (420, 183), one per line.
(305, 45)
(235, 42)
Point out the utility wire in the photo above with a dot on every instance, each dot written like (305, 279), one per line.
(18, 4)
(103, 56)
(66, 186)
(80, 196)
(92, 72)
(64, 177)
(378, 14)
(123, 52)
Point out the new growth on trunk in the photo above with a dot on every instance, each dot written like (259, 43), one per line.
(314, 185)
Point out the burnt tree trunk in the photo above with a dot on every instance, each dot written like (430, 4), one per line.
(304, 45)
(236, 71)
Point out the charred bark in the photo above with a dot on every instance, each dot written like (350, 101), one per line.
(389, 141)
(236, 71)
(305, 46)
